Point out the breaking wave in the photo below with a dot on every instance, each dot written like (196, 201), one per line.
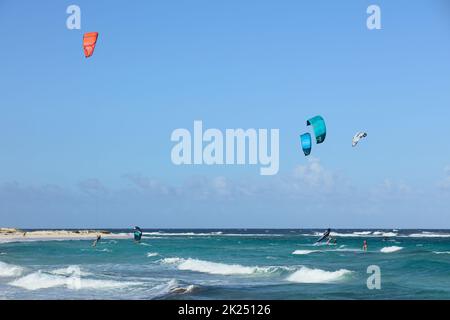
(10, 270)
(307, 275)
(70, 278)
(427, 234)
(304, 252)
(152, 254)
(218, 268)
(358, 234)
(441, 252)
(391, 249)
(70, 270)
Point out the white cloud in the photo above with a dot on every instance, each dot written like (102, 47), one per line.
(398, 187)
(92, 187)
(314, 175)
(149, 184)
(391, 189)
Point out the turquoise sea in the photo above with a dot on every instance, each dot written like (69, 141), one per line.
(230, 264)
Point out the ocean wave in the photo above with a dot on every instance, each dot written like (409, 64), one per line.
(323, 244)
(69, 271)
(441, 252)
(10, 270)
(145, 244)
(171, 260)
(181, 234)
(219, 268)
(357, 234)
(172, 287)
(347, 250)
(427, 234)
(391, 249)
(152, 254)
(209, 234)
(307, 275)
(176, 288)
(304, 252)
(42, 280)
(328, 248)
(96, 250)
(362, 233)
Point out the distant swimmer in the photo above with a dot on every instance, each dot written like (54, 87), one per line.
(365, 245)
(137, 234)
(326, 235)
(99, 237)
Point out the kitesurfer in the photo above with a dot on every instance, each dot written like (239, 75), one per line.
(326, 235)
(137, 234)
(99, 237)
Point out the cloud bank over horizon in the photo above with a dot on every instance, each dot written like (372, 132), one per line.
(310, 196)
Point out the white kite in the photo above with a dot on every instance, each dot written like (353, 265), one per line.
(358, 137)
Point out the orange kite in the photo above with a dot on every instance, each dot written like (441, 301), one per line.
(89, 41)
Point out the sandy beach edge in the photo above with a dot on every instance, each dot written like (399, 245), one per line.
(13, 234)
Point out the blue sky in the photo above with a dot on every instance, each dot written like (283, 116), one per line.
(86, 142)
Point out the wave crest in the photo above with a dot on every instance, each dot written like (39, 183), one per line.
(70, 277)
(10, 270)
(307, 275)
(219, 268)
(304, 252)
(391, 249)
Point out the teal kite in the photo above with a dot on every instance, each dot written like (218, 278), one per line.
(320, 130)
(306, 143)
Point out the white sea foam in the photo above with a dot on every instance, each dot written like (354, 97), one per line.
(427, 234)
(304, 252)
(323, 244)
(219, 268)
(69, 271)
(42, 280)
(391, 249)
(145, 244)
(347, 250)
(171, 260)
(359, 234)
(362, 233)
(10, 270)
(307, 275)
(171, 287)
(175, 288)
(441, 252)
(96, 249)
(216, 268)
(152, 254)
